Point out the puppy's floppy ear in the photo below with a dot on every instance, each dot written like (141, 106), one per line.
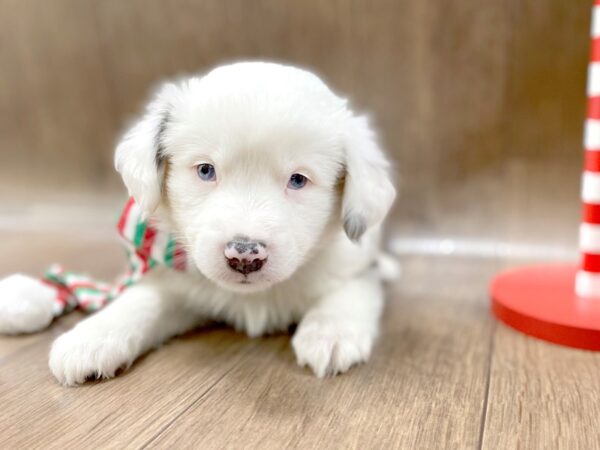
(368, 190)
(139, 154)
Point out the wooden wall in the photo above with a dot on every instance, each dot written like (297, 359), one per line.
(455, 87)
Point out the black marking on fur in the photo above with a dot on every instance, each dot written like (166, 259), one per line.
(241, 247)
(158, 140)
(242, 244)
(355, 226)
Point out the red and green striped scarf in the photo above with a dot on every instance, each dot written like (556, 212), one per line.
(146, 246)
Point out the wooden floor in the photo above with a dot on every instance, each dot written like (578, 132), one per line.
(443, 375)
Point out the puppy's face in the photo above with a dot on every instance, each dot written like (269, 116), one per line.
(250, 158)
(251, 189)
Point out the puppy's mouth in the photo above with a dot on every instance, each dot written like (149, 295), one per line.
(245, 277)
(249, 283)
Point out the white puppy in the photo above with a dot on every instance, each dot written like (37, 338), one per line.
(277, 191)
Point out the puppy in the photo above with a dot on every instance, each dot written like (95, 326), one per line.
(276, 190)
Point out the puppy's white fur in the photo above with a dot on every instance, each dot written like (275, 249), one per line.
(25, 305)
(257, 124)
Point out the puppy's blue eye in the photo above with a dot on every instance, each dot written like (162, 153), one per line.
(206, 172)
(297, 181)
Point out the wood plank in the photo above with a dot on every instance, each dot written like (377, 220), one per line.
(31, 252)
(58, 126)
(424, 387)
(125, 412)
(541, 395)
(10, 345)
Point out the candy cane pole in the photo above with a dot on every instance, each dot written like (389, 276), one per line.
(561, 302)
(587, 284)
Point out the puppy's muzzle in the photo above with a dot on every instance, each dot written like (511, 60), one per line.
(245, 255)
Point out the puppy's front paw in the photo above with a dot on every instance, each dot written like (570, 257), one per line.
(330, 347)
(90, 352)
(25, 305)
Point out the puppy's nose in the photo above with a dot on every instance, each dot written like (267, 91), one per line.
(245, 255)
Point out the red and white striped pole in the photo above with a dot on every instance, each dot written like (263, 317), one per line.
(560, 303)
(587, 283)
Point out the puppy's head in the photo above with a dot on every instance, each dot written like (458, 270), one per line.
(256, 154)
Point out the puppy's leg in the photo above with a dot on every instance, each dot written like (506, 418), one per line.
(26, 305)
(340, 331)
(143, 317)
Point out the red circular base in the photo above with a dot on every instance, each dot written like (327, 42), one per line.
(540, 301)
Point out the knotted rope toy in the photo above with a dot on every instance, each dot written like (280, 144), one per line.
(146, 246)
(28, 304)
